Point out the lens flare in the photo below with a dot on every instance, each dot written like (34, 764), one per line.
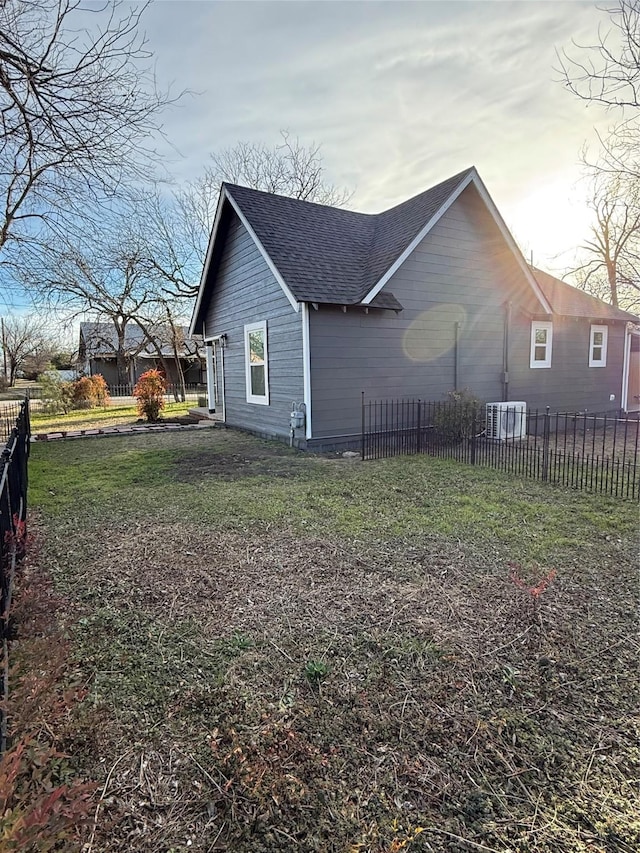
(432, 333)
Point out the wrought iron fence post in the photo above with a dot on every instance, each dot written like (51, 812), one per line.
(474, 428)
(419, 421)
(545, 445)
(362, 432)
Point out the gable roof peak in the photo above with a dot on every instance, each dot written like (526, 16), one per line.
(448, 184)
(334, 255)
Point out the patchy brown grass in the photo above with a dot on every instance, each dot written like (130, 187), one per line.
(269, 685)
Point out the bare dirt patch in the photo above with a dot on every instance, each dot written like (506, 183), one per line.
(274, 460)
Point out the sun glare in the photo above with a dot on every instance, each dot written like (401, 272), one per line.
(551, 222)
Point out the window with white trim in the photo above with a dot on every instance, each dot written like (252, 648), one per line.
(598, 346)
(256, 363)
(541, 342)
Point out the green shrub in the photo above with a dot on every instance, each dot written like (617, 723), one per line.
(84, 393)
(149, 393)
(57, 395)
(458, 417)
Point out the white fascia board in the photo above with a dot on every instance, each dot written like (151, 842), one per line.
(417, 239)
(276, 273)
(472, 178)
(306, 368)
(205, 268)
(524, 266)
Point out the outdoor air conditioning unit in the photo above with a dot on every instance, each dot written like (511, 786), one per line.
(506, 420)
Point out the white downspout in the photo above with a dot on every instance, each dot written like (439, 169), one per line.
(624, 401)
(222, 394)
(306, 368)
(211, 379)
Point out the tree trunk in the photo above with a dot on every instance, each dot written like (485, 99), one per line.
(176, 357)
(613, 281)
(122, 362)
(180, 375)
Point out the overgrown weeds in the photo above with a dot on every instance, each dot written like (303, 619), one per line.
(44, 804)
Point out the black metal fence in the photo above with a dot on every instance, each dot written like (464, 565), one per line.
(13, 530)
(13, 506)
(9, 414)
(590, 452)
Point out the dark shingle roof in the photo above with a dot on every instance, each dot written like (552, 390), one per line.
(571, 302)
(328, 254)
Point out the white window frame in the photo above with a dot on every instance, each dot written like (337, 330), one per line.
(259, 399)
(602, 361)
(536, 325)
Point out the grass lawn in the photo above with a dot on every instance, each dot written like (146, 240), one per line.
(116, 414)
(283, 652)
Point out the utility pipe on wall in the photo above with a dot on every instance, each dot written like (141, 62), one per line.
(505, 353)
(456, 356)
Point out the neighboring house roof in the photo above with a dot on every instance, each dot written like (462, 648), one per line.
(571, 302)
(100, 341)
(331, 255)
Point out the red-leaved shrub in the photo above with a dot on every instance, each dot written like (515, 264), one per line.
(149, 393)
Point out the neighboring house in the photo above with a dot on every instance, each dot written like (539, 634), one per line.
(305, 304)
(97, 353)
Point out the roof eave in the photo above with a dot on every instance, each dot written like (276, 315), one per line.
(225, 196)
(205, 269)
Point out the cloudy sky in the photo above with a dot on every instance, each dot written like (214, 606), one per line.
(400, 95)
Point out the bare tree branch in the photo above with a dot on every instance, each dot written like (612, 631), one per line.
(24, 338)
(608, 71)
(79, 108)
(177, 225)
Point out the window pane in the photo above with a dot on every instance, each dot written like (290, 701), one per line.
(541, 336)
(256, 347)
(257, 380)
(540, 353)
(597, 354)
(598, 339)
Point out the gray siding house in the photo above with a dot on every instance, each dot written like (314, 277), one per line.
(304, 307)
(97, 353)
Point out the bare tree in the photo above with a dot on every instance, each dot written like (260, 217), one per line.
(101, 275)
(288, 168)
(24, 338)
(78, 108)
(178, 224)
(611, 269)
(608, 70)
(174, 229)
(164, 334)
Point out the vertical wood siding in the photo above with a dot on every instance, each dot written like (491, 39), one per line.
(245, 291)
